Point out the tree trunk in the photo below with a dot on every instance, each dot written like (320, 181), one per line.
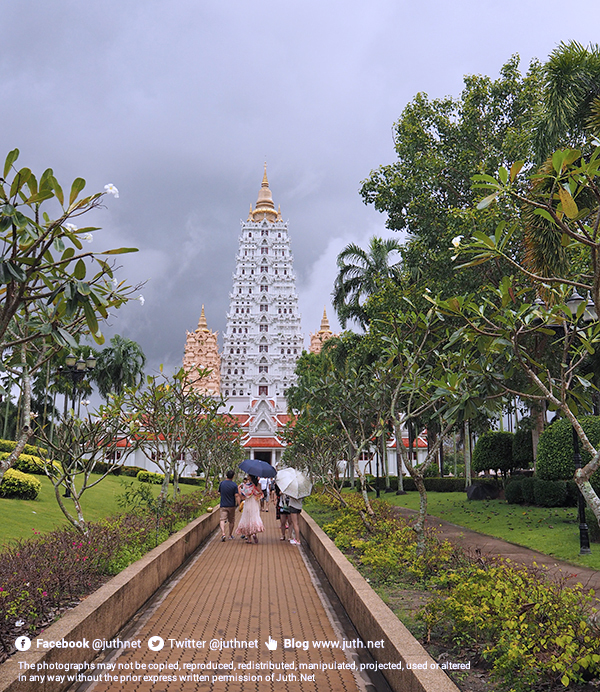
(467, 446)
(420, 523)
(26, 428)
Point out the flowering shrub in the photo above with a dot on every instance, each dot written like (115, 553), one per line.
(533, 631)
(42, 576)
(390, 547)
(531, 628)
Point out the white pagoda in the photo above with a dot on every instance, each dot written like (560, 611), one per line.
(263, 337)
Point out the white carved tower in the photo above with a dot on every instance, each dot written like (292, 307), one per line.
(263, 337)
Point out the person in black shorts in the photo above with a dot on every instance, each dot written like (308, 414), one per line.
(229, 500)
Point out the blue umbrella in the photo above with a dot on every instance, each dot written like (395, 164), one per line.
(255, 467)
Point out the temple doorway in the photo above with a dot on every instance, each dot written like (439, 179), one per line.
(263, 456)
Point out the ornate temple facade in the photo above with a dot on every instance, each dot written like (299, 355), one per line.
(202, 351)
(263, 337)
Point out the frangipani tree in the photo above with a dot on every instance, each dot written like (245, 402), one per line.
(508, 327)
(74, 449)
(52, 287)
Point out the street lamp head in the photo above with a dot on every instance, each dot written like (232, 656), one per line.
(91, 361)
(70, 361)
(590, 314)
(574, 302)
(80, 365)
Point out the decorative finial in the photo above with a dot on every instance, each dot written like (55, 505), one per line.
(202, 324)
(325, 322)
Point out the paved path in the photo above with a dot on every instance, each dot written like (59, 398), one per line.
(488, 545)
(239, 595)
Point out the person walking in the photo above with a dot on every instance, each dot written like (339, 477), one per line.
(229, 500)
(294, 509)
(264, 500)
(250, 524)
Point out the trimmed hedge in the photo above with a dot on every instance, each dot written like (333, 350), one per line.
(513, 492)
(150, 477)
(26, 463)
(555, 450)
(593, 527)
(493, 451)
(522, 448)
(549, 493)
(187, 480)
(9, 445)
(537, 491)
(131, 471)
(19, 485)
(435, 485)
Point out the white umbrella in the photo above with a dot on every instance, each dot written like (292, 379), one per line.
(293, 483)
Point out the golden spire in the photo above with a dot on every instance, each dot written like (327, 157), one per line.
(265, 208)
(202, 324)
(325, 322)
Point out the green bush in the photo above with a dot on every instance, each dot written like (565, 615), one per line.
(105, 467)
(572, 494)
(493, 451)
(550, 493)
(527, 486)
(522, 445)
(26, 463)
(593, 527)
(150, 477)
(531, 629)
(19, 485)
(9, 445)
(555, 450)
(186, 480)
(131, 471)
(513, 492)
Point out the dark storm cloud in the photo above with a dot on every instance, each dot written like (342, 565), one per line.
(178, 104)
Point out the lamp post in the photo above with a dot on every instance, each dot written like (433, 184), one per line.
(76, 370)
(589, 314)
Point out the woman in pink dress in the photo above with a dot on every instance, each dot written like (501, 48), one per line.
(250, 523)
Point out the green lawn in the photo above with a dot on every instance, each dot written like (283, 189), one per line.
(552, 531)
(20, 518)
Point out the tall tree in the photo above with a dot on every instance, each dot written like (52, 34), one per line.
(118, 366)
(360, 273)
(570, 108)
(440, 144)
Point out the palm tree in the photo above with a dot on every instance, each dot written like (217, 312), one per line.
(360, 274)
(119, 365)
(571, 103)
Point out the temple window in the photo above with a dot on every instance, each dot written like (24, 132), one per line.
(263, 328)
(263, 391)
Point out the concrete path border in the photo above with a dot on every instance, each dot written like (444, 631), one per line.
(374, 621)
(105, 612)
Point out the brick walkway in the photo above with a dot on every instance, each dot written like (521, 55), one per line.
(234, 591)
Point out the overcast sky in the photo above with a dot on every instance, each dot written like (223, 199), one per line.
(178, 104)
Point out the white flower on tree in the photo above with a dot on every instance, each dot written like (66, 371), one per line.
(141, 299)
(110, 189)
(456, 241)
(70, 227)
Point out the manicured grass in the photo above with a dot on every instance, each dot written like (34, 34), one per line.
(552, 531)
(21, 518)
